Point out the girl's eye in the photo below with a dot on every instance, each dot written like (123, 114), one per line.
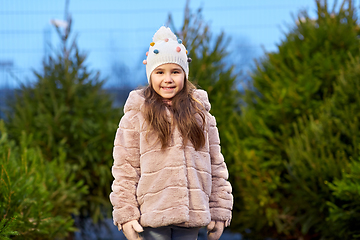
(159, 72)
(176, 72)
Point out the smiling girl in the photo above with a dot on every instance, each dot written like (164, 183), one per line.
(170, 176)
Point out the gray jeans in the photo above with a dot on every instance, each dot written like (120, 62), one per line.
(170, 233)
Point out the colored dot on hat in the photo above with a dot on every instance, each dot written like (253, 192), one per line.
(189, 59)
(166, 39)
(186, 52)
(144, 62)
(178, 49)
(156, 51)
(147, 53)
(152, 44)
(180, 41)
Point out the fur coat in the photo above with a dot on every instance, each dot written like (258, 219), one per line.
(174, 186)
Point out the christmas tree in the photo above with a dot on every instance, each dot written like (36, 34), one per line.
(37, 197)
(66, 107)
(291, 158)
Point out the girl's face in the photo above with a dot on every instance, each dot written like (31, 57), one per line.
(168, 80)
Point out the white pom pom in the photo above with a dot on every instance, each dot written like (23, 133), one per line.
(163, 33)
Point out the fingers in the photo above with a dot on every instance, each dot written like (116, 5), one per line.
(214, 235)
(217, 230)
(211, 226)
(219, 226)
(129, 230)
(227, 223)
(137, 227)
(130, 234)
(119, 226)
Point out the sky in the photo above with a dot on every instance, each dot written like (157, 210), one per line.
(118, 32)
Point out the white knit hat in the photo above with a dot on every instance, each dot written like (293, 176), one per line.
(166, 48)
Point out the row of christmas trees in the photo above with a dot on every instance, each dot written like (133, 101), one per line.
(291, 138)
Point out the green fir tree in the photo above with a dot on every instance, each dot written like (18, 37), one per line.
(324, 161)
(289, 150)
(37, 197)
(66, 107)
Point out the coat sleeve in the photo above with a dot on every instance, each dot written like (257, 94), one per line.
(126, 172)
(221, 199)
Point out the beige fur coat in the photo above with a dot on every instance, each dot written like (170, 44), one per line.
(176, 186)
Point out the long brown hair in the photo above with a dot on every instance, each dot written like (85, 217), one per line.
(186, 115)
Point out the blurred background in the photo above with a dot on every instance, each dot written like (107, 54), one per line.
(282, 77)
(116, 34)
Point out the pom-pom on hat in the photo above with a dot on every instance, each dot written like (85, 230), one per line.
(166, 48)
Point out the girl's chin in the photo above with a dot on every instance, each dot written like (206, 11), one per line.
(167, 95)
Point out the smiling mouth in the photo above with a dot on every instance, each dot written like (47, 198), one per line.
(168, 88)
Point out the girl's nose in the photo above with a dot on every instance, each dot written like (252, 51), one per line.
(168, 78)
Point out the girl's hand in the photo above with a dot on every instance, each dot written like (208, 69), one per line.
(131, 230)
(215, 229)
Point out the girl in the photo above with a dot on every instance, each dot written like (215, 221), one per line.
(170, 176)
